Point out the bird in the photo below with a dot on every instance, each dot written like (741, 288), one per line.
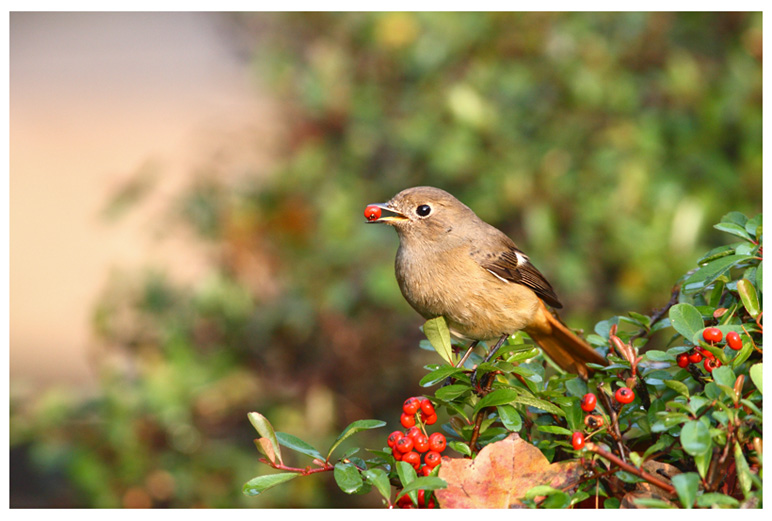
(451, 263)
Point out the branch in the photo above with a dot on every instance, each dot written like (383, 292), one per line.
(631, 469)
(326, 467)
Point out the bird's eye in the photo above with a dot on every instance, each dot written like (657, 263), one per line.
(423, 210)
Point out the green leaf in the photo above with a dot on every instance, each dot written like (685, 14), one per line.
(259, 484)
(734, 229)
(540, 490)
(735, 217)
(555, 429)
(296, 444)
(678, 387)
(749, 297)
(724, 376)
(652, 503)
(686, 486)
(438, 375)
(576, 387)
(423, 483)
(574, 415)
(557, 500)
(353, 428)
(714, 498)
(641, 319)
(450, 392)
(743, 355)
(752, 226)
(380, 480)
(756, 372)
(539, 404)
(760, 277)
(702, 462)
(460, 447)
(510, 417)
(716, 294)
(265, 429)
(695, 438)
(406, 473)
(436, 330)
(710, 272)
(524, 355)
(347, 477)
(659, 356)
(686, 320)
(743, 471)
(497, 397)
(717, 253)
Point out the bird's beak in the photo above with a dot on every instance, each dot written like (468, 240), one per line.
(382, 213)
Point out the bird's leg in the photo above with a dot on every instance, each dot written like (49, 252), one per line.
(468, 352)
(460, 363)
(488, 357)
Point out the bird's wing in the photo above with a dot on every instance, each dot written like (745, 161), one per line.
(512, 265)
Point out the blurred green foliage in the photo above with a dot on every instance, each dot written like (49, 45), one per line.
(605, 145)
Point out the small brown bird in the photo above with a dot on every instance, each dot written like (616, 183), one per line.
(451, 263)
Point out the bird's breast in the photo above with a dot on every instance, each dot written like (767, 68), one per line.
(475, 303)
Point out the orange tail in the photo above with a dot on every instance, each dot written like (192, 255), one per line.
(559, 343)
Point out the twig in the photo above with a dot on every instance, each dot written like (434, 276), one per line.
(476, 431)
(631, 469)
(614, 426)
(304, 471)
(486, 388)
(659, 314)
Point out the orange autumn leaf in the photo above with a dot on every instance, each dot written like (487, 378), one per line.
(501, 474)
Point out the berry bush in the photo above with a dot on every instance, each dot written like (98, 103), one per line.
(675, 419)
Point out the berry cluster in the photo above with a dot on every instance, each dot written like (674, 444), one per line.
(421, 407)
(413, 445)
(713, 336)
(623, 395)
(425, 500)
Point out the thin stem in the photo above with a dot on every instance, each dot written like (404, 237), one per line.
(631, 469)
(304, 471)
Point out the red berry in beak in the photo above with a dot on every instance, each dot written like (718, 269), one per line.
(372, 213)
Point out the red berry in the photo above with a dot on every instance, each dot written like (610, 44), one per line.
(624, 395)
(734, 341)
(404, 444)
(707, 354)
(432, 459)
(429, 420)
(589, 401)
(437, 442)
(426, 407)
(421, 498)
(431, 503)
(405, 502)
(712, 335)
(394, 438)
(372, 213)
(425, 470)
(711, 363)
(682, 360)
(396, 453)
(695, 357)
(412, 458)
(577, 441)
(412, 432)
(411, 405)
(407, 420)
(421, 443)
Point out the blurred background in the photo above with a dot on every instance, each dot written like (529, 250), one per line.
(187, 240)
